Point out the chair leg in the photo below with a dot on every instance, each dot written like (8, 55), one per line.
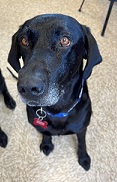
(107, 17)
(81, 5)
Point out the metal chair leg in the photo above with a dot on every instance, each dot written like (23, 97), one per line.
(81, 5)
(107, 17)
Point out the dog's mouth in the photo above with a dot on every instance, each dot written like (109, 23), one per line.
(33, 104)
(50, 99)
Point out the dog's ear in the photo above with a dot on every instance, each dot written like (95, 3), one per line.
(92, 52)
(14, 54)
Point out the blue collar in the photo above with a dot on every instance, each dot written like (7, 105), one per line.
(65, 114)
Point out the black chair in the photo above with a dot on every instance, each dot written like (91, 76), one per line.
(107, 16)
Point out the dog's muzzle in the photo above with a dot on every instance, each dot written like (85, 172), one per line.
(38, 93)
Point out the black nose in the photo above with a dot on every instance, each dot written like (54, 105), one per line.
(33, 87)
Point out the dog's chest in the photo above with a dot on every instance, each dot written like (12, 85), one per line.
(52, 127)
(55, 127)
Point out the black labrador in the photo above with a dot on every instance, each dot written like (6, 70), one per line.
(52, 81)
(9, 102)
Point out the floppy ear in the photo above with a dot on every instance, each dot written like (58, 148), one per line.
(92, 52)
(14, 54)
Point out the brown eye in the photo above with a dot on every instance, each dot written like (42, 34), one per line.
(65, 41)
(24, 41)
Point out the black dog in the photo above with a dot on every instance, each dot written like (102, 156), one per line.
(52, 81)
(9, 102)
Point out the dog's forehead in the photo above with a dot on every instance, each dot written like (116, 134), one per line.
(54, 21)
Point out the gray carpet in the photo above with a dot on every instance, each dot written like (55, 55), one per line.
(22, 161)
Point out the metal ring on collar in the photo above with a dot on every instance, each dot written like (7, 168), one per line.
(41, 113)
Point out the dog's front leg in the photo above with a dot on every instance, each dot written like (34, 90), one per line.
(9, 101)
(83, 157)
(46, 145)
(3, 139)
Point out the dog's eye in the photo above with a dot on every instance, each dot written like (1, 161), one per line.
(24, 41)
(65, 41)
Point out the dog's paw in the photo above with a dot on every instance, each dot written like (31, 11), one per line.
(85, 162)
(3, 139)
(10, 103)
(47, 148)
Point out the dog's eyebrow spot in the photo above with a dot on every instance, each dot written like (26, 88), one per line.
(57, 31)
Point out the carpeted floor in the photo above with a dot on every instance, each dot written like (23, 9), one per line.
(22, 161)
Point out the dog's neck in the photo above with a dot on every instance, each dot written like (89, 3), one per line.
(65, 114)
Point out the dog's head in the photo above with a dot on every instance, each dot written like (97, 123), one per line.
(52, 48)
